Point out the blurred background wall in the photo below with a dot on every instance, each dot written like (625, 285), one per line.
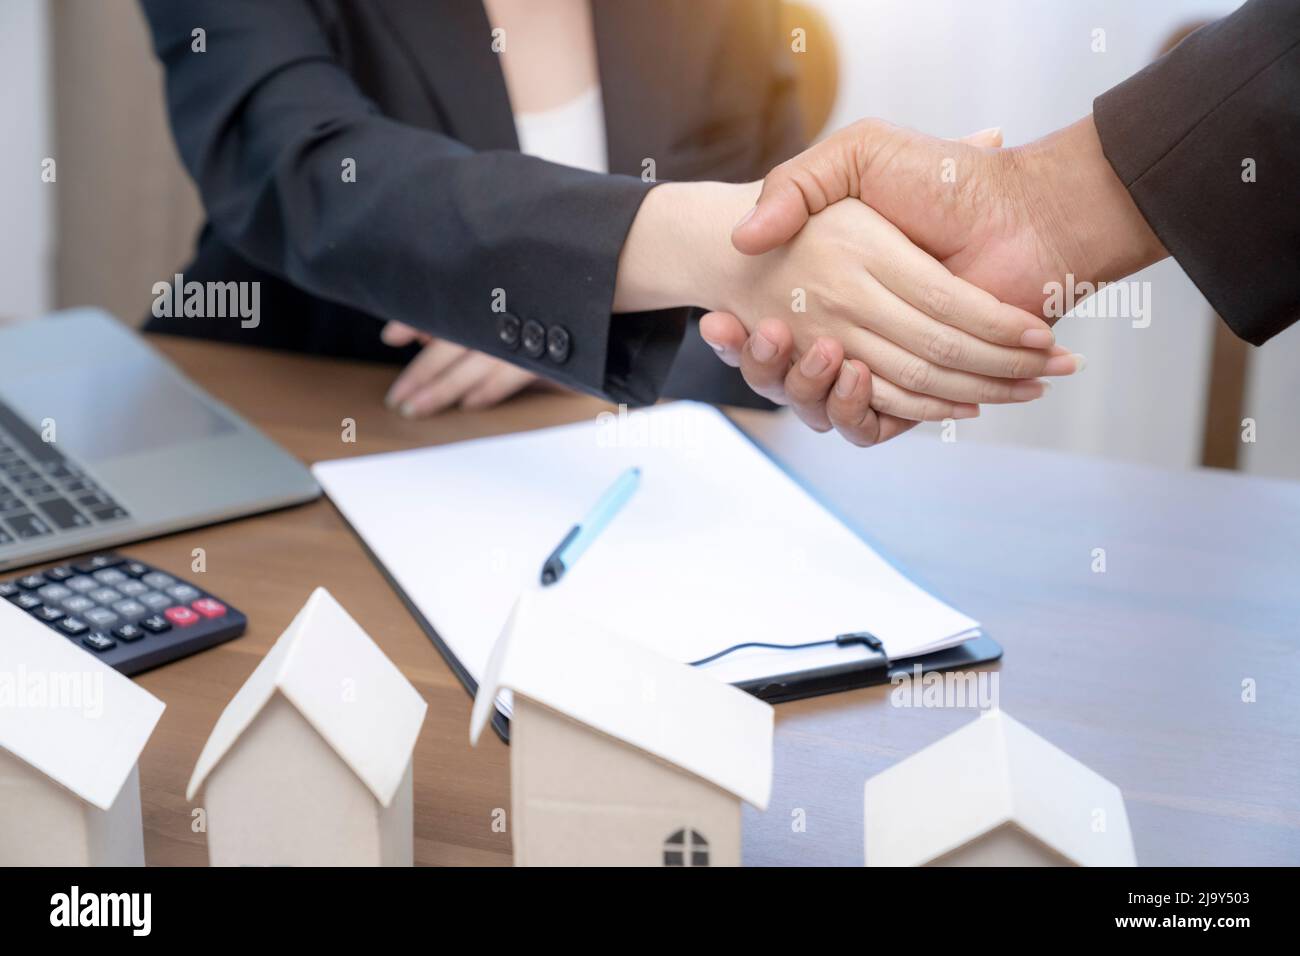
(82, 86)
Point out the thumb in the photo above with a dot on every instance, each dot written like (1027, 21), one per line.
(780, 212)
(991, 137)
(801, 187)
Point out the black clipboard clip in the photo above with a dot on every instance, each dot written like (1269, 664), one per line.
(866, 639)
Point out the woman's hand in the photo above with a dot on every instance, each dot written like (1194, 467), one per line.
(444, 375)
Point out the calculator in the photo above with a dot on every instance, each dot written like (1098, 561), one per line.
(128, 613)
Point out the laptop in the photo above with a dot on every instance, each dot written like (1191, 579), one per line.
(103, 441)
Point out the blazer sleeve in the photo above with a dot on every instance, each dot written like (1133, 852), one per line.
(430, 233)
(1205, 140)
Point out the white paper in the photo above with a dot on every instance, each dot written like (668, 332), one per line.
(718, 546)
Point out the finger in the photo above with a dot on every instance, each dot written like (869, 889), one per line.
(801, 187)
(398, 334)
(766, 357)
(848, 406)
(914, 373)
(891, 427)
(449, 387)
(930, 336)
(985, 138)
(923, 282)
(504, 381)
(725, 334)
(432, 361)
(889, 399)
(808, 383)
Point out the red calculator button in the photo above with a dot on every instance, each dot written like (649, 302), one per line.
(181, 616)
(209, 607)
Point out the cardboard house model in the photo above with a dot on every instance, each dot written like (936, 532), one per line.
(995, 794)
(310, 763)
(619, 756)
(71, 732)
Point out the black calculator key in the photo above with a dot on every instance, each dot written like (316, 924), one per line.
(99, 641)
(156, 624)
(26, 525)
(128, 633)
(111, 513)
(48, 614)
(135, 569)
(61, 573)
(8, 589)
(26, 600)
(32, 582)
(61, 513)
(97, 563)
(5, 537)
(72, 627)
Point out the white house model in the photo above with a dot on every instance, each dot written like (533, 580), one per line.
(994, 794)
(310, 763)
(71, 732)
(619, 756)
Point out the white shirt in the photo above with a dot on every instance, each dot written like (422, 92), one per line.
(572, 134)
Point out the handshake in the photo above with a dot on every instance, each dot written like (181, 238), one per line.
(879, 279)
(884, 277)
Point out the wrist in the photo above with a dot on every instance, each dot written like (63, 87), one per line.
(678, 251)
(1082, 208)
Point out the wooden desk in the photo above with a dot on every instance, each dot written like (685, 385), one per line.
(1137, 671)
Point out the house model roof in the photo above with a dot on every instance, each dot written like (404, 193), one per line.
(991, 772)
(67, 713)
(342, 684)
(620, 688)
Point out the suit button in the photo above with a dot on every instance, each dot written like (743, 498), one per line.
(508, 331)
(534, 338)
(558, 342)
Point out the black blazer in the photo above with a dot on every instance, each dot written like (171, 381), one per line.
(1178, 133)
(445, 210)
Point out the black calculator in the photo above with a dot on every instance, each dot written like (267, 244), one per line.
(128, 613)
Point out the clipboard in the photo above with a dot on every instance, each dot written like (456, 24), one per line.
(873, 669)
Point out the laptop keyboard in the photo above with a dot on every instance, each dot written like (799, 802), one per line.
(41, 492)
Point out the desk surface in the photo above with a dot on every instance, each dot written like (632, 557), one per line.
(1137, 671)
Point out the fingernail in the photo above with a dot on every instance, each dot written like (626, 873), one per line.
(965, 411)
(763, 348)
(746, 217)
(991, 131)
(1061, 365)
(814, 362)
(847, 381)
(1038, 339)
(716, 347)
(1028, 391)
(1080, 361)
(406, 410)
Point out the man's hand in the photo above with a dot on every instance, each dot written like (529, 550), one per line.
(445, 374)
(1009, 221)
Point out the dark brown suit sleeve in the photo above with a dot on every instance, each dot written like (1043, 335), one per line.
(1207, 142)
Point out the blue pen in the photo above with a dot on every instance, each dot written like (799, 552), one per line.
(582, 534)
